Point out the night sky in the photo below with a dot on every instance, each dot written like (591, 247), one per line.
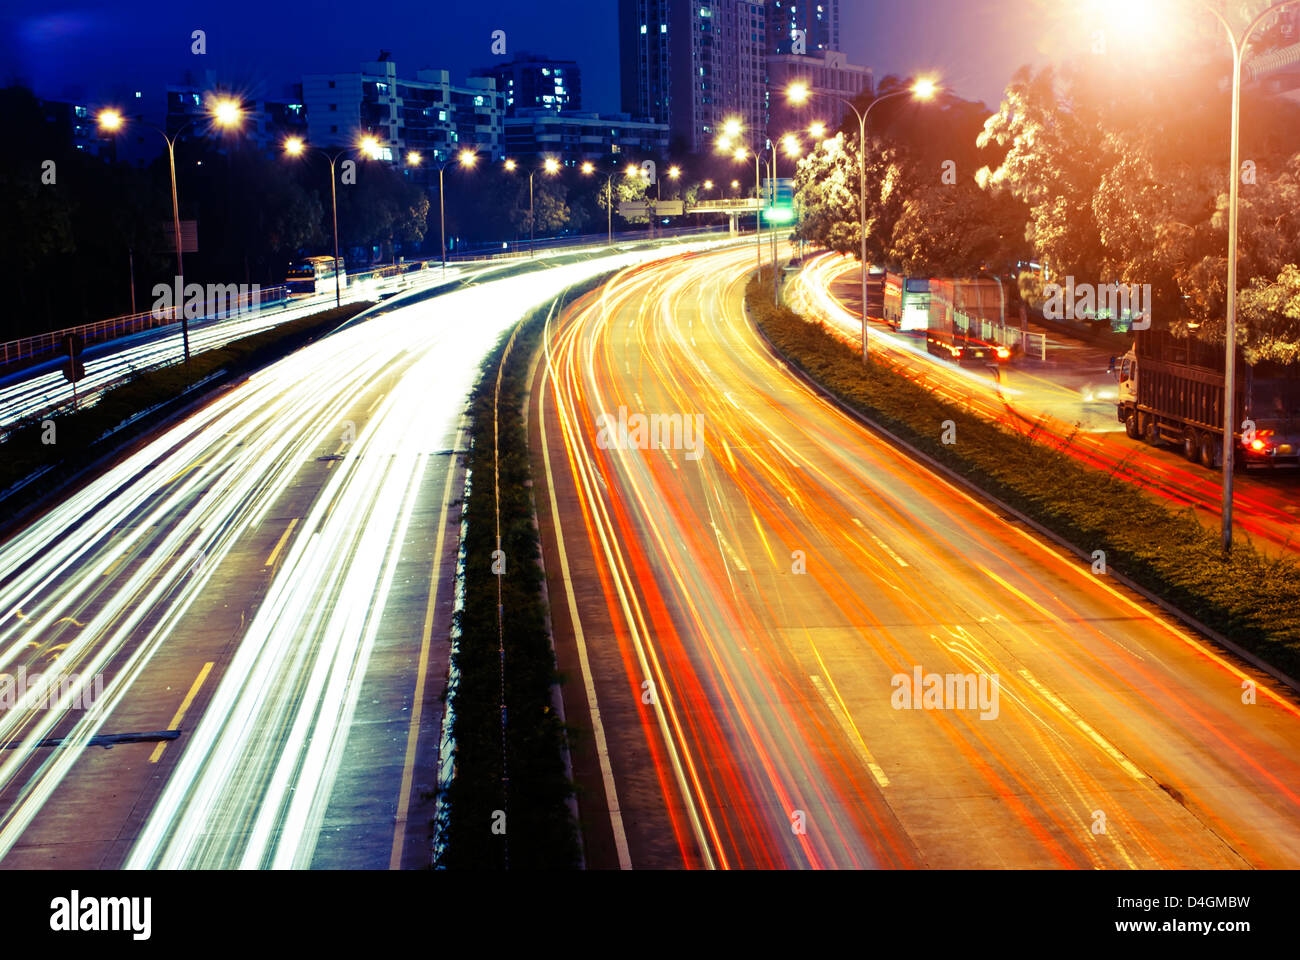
(94, 51)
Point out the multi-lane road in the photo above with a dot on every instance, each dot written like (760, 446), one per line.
(738, 608)
(257, 599)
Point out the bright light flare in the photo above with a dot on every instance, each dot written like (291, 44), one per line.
(413, 159)
(732, 128)
(370, 146)
(817, 130)
(588, 167)
(468, 158)
(925, 89)
(227, 112)
(551, 165)
(110, 120)
(798, 93)
(511, 166)
(674, 172)
(294, 146)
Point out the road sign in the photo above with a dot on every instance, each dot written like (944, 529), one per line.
(73, 370)
(639, 208)
(189, 236)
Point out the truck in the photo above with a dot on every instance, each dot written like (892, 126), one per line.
(1171, 391)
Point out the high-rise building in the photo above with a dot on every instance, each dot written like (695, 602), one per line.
(531, 82)
(819, 21)
(694, 64)
(428, 114)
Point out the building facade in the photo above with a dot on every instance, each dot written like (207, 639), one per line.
(532, 82)
(694, 64)
(575, 137)
(818, 21)
(830, 77)
(429, 114)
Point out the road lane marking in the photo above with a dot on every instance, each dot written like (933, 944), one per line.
(426, 639)
(284, 538)
(1064, 709)
(841, 714)
(593, 708)
(180, 713)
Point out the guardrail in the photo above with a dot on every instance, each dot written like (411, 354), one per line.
(29, 350)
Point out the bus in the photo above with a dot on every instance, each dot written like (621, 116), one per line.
(314, 275)
(906, 302)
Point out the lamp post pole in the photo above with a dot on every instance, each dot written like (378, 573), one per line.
(1238, 45)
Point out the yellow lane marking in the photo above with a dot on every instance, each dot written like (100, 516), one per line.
(180, 713)
(284, 538)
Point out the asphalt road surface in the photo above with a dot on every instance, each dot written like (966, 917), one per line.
(740, 630)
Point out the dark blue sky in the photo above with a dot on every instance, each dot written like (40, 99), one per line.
(88, 51)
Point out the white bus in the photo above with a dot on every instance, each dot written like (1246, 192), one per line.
(314, 275)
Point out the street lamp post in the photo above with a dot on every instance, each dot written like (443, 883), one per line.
(466, 158)
(588, 168)
(922, 90)
(295, 147)
(549, 166)
(223, 112)
(1239, 45)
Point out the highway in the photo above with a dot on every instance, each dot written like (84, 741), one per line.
(734, 610)
(258, 599)
(1068, 403)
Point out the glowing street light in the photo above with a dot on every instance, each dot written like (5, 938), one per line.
(223, 112)
(817, 130)
(589, 168)
(467, 159)
(296, 147)
(550, 166)
(800, 93)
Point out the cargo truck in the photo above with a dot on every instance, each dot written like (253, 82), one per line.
(1171, 391)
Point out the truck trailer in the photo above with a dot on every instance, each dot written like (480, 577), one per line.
(1171, 391)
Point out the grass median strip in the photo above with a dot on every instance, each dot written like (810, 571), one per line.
(491, 821)
(1250, 598)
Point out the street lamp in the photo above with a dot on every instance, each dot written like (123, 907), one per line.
(296, 147)
(550, 166)
(1238, 42)
(466, 158)
(225, 113)
(588, 168)
(731, 131)
(800, 93)
(1239, 45)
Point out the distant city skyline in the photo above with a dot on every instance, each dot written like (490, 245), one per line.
(83, 51)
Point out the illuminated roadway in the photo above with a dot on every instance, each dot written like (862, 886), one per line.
(271, 576)
(739, 712)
